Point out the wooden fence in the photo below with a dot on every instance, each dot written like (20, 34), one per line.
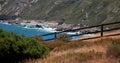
(101, 31)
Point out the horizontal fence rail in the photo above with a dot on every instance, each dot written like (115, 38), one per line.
(101, 31)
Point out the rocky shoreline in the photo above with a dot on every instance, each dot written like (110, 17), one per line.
(53, 25)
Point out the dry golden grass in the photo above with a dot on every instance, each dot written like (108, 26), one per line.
(104, 60)
(71, 55)
(88, 51)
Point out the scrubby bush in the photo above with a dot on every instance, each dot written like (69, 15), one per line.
(14, 48)
(63, 37)
(53, 45)
(39, 38)
(114, 49)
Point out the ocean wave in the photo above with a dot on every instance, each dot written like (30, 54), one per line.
(73, 33)
(88, 35)
(33, 26)
(5, 23)
(45, 28)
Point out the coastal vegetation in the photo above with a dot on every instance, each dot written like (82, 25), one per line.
(97, 51)
(30, 17)
(14, 48)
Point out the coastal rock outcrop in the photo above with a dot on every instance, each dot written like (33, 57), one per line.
(88, 12)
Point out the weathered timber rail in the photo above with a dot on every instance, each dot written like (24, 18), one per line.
(101, 31)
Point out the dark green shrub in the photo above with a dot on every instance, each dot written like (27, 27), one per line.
(35, 49)
(15, 48)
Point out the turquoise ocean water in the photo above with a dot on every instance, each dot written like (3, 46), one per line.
(28, 32)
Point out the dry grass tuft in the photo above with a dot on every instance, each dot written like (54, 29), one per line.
(90, 51)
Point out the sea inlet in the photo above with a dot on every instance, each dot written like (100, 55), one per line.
(23, 29)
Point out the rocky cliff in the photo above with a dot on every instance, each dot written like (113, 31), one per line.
(89, 12)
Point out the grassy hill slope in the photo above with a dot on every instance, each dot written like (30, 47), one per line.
(98, 51)
(90, 12)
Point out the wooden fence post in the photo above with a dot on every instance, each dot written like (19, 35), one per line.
(102, 30)
(55, 35)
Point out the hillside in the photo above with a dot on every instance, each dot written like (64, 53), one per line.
(106, 50)
(89, 12)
